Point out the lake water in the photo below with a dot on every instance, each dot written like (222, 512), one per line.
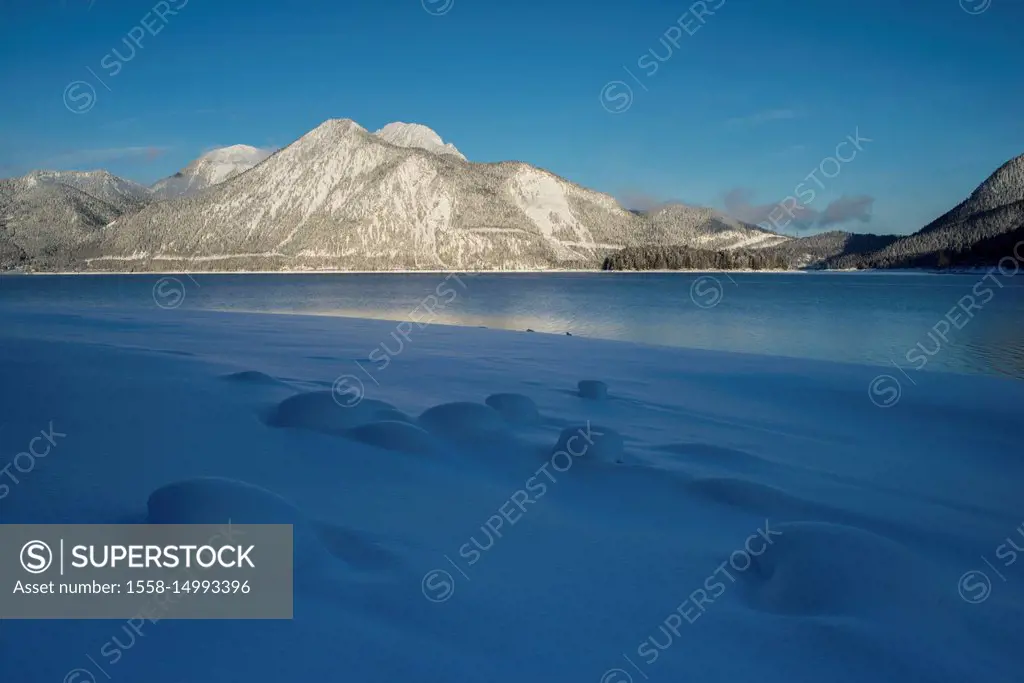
(915, 320)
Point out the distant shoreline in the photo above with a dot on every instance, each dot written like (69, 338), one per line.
(811, 271)
(388, 272)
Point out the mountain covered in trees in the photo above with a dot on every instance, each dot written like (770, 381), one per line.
(981, 230)
(814, 251)
(46, 218)
(344, 198)
(341, 197)
(976, 232)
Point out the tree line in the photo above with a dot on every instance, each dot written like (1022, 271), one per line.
(687, 258)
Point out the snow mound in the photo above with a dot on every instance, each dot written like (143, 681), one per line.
(593, 389)
(706, 454)
(822, 569)
(395, 435)
(319, 411)
(753, 496)
(515, 408)
(387, 415)
(464, 421)
(593, 442)
(873, 518)
(253, 377)
(215, 500)
(354, 548)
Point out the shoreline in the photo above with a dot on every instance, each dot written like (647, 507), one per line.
(398, 272)
(811, 271)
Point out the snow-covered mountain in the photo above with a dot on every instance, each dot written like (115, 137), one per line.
(417, 135)
(341, 197)
(704, 228)
(210, 169)
(43, 223)
(979, 230)
(1005, 187)
(124, 195)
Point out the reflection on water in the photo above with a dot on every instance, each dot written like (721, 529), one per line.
(854, 317)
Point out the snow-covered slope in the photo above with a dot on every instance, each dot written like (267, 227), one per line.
(760, 520)
(123, 194)
(210, 169)
(979, 230)
(1005, 187)
(704, 228)
(811, 251)
(401, 198)
(45, 218)
(417, 135)
(341, 197)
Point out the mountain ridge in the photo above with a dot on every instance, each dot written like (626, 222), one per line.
(126, 195)
(341, 197)
(401, 198)
(995, 208)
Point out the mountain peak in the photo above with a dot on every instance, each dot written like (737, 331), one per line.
(212, 168)
(1005, 186)
(338, 125)
(232, 151)
(417, 135)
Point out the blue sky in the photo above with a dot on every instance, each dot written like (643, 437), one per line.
(739, 106)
